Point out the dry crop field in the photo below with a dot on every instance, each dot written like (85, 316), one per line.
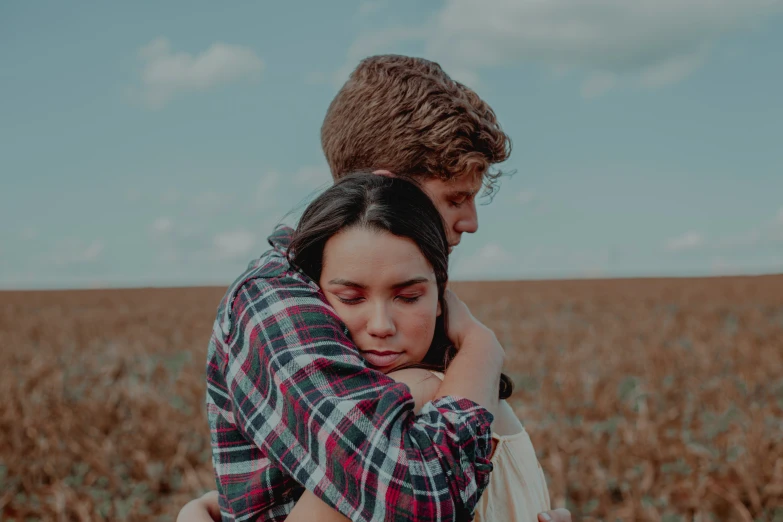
(645, 399)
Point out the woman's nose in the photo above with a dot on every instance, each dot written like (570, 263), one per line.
(380, 323)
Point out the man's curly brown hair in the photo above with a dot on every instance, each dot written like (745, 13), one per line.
(407, 116)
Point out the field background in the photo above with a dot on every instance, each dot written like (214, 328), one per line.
(645, 399)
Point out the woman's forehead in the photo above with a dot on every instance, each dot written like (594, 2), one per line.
(373, 258)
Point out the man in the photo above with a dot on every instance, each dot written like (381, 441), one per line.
(278, 352)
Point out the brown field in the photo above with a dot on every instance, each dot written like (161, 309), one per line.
(645, 399)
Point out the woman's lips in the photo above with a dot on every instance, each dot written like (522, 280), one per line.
(381, 359)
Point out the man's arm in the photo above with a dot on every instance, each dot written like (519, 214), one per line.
(423, 386)
(475, 371)
(301, 392)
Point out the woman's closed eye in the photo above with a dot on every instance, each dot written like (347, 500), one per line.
(356, 300)
(350, 299)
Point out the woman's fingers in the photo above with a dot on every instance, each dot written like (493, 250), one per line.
(202, 509)
(556, 515)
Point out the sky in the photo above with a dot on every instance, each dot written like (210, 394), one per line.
(158, 143)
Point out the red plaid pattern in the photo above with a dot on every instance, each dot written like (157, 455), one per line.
(292, 405)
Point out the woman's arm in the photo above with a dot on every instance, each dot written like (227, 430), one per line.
(309, 507)
(202, 509)
(206, 509)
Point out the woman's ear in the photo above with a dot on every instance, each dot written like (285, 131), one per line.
(440, 311)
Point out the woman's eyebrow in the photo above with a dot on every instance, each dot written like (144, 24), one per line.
(411, 282)
(404, 284)
(346, 282)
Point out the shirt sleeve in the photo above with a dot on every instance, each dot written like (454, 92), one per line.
(348, 433)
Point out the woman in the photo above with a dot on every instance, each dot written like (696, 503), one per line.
(377, 247)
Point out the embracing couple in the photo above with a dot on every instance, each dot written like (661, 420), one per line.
(344, 380)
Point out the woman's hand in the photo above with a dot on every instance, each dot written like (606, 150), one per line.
(202, 509)
(461, 322)
(556, 515)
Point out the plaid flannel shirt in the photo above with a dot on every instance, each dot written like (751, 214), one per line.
(292, 405)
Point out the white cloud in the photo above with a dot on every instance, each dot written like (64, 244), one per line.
(167, 73)
(672, 70)
(652, 43)
(162, 226)
(282, 198)
(687, 241)
(73, 251)
(235, 244)
(92, 251)
(720, 267)
(766, 234)
(172, 242)
(598, 83)
(659, 41)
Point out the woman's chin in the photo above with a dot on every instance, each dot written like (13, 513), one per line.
(396, 365)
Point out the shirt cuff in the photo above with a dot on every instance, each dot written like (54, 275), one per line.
(473, 427)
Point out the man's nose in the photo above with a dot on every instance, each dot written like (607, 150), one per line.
(468, 221)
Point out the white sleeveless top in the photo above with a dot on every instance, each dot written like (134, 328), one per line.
(517, 490)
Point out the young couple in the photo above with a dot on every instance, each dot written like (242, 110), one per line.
(344, 381)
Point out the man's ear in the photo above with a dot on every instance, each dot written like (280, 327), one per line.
(383, 172)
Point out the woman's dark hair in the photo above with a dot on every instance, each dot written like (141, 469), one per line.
(389, 204)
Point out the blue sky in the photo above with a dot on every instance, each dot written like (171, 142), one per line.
(158, 143)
